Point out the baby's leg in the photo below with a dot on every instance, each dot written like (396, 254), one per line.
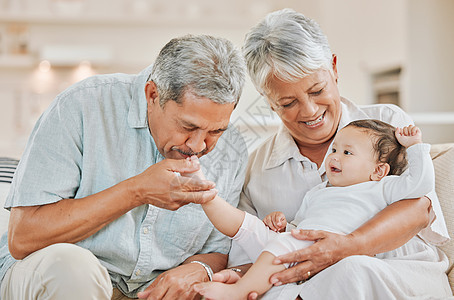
(285, 243)
(253, 236)
(256, 279)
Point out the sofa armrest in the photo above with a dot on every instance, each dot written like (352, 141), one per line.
(443, 160)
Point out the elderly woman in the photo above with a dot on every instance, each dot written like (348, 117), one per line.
(291, 65)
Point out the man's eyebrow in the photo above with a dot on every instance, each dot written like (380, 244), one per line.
(188, 124)
(193, 126)
(222, 129)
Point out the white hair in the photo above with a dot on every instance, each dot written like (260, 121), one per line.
(287, 45)
(202, 65)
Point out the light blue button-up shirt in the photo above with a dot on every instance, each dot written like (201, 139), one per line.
(94, 135)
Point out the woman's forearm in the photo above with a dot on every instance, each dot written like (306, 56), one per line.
(392, 227)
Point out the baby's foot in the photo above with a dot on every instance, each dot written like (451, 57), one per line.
(198, 174)
(219, 291)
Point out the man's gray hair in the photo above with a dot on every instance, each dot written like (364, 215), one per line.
(287, 45)
(202, 65)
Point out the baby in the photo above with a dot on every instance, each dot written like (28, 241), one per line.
(365, 172)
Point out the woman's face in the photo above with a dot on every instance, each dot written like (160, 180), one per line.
(310, 107)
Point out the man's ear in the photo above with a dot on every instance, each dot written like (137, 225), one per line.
(151, 92)
(381, 170)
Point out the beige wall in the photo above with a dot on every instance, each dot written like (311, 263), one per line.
(430, 67)
(367, 36)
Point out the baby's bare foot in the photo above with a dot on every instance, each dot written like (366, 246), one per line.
(198, 174)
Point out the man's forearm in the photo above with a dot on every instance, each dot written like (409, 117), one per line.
(391, 228)
(66, 221)
(217, 261)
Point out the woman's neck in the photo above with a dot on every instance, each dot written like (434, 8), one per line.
(316, 153)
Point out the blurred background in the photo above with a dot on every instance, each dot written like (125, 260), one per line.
(389, 51)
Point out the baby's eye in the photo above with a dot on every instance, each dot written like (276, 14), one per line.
(346, 152)
(333, 150)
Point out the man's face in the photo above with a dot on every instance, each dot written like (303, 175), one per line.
(191, 127)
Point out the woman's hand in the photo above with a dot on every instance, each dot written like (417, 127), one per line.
(328, 248)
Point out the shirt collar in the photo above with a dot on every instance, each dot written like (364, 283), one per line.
(284, 148)
(350, 112)
(137, 115)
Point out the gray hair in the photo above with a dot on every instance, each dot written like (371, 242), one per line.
(287, 45)
(202, 65)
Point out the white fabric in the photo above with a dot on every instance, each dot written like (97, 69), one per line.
(278, 176)
(415, 271)
(254, 237)
(387, 276)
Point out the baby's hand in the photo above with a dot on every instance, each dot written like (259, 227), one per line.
(198, 174)
(409, 135)
(276, 221)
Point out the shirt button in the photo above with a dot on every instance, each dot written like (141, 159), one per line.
(137, 272)
(145, 230)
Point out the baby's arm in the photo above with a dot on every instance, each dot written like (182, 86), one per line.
(226, 218)
(409, 136)
(276, 221)
(418, 179)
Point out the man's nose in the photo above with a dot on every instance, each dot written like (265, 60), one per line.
(196, 142)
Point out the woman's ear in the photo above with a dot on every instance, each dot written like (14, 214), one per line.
(381, 170)
(334, 65)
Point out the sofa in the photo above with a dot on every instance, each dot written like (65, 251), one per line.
(443, 159)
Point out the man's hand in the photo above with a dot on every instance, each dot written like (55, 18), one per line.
(328, 248)
(161, 185)
(276, 221)
(176, 283)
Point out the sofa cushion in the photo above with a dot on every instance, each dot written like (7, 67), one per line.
(7, 169)
(4, 214)
(443, 160)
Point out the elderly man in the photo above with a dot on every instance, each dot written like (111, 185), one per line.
(98, 205)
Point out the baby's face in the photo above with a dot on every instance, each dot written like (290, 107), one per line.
(352, 159)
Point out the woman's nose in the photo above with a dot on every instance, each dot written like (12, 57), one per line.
(308, 108)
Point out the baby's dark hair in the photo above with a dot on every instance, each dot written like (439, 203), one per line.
(386, 146)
